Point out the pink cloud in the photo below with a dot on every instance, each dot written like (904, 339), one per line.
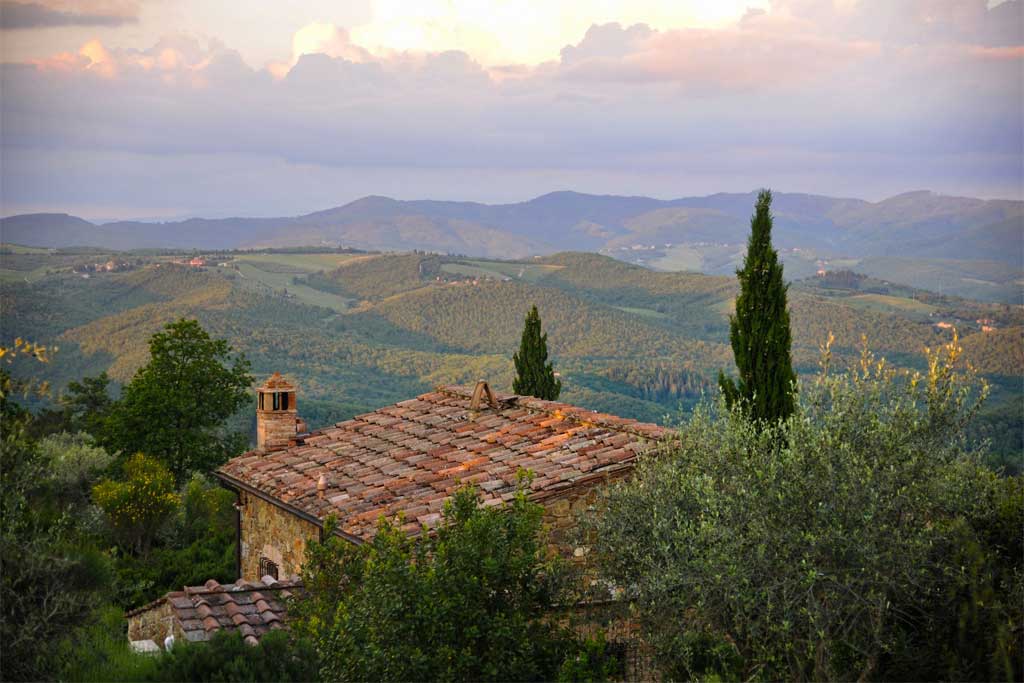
(728, 59)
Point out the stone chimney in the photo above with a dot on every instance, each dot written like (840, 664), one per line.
(277, 417)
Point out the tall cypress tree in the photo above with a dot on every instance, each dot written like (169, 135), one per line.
(535, 376)
(759, 331)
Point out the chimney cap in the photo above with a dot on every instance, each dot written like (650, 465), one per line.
(321, 486)
(277, 382)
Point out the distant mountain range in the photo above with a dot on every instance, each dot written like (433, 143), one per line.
(916, 224)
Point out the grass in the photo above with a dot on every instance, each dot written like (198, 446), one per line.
(471, 271)
(252, 273)
(19, 249)
(888, 304)
(982, 280)
(11, 275)
(517, 270)
(299, 263)
(643, 312)
(680, 257)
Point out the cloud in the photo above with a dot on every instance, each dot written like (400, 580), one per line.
(749, 58)
(792, 97)
(913, 21)
(607, 41)
(30, 15)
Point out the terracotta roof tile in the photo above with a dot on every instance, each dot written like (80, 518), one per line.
(251, 608)
(411, 456)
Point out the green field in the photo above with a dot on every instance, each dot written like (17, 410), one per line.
(28, 264)
(276, 273)
(890, 304)
(380, 328)
(529, 272)
(19, 249)
(681, 257)
(9, 275)
(643, 312)
(300, 263)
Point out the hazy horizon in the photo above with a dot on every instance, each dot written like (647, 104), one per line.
(127, 109)
(100, 220)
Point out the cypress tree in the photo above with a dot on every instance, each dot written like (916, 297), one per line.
(535, 376)
(759, 331)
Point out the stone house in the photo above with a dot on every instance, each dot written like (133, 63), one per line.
(198, 612)
(408, 459)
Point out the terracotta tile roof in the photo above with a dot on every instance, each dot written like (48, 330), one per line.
(251, 608)
(411, 456)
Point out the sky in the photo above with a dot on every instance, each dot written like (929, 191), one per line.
(160, 109)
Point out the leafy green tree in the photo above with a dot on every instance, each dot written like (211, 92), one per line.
(141, 504)
(175, 406)
(855, 540)
(51, 577)
(465, 602)
(535, 376)
(759, 331)
(197, 544)
(75, 463)
(87, 406)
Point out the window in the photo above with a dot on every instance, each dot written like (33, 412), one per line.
(267, 568)
(277, 401)
(284, 401)
(261, 400)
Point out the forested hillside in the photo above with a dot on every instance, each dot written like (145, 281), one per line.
(360, 330)
(961, 245)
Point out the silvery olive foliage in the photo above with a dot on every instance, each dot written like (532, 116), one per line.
(857, 539)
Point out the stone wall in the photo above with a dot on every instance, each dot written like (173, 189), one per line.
(560, 519)
(275, 428)
(155, 624)
(562, 512)
(622, 633)
(272, 533)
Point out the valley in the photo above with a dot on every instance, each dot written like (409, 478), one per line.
(955, 245)
(357, 330)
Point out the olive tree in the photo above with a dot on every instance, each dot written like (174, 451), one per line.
(856, 539)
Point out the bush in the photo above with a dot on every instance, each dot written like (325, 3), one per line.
(197, 544)
(75, 462)
(100, 652)
(857, 539)
(595, 661)
(51, 576)
(140, 505)
(226, 657)
(467, 602)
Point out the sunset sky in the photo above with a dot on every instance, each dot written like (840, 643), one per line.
(171, 108)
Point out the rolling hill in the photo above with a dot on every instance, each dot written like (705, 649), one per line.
(916, 224)
(360, 330)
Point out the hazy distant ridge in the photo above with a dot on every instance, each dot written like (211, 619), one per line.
(921, 224)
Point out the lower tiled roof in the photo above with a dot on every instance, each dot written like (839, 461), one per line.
(410, 457)
(251, 608)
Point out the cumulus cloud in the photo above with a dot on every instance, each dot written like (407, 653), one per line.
(53, 13)
(795, 97)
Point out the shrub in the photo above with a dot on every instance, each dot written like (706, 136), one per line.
(100, 652)
(466, 602)
(141, 504)
(857, 539)
(226, 657)
(197, 544)
(75, 462)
